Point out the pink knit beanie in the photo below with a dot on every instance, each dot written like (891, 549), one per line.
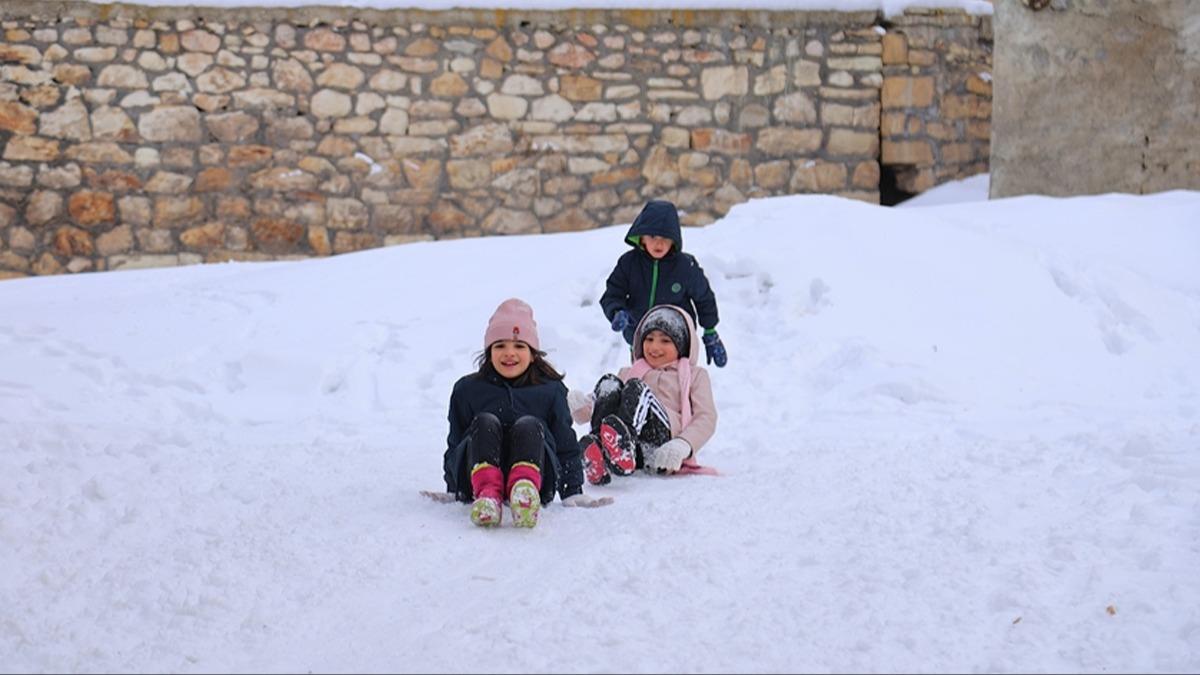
(513, 320)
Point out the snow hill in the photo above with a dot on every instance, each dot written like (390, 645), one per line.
(958, 437)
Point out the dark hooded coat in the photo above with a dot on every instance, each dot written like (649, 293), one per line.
(639, 282)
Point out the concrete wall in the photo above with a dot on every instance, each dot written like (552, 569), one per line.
(1095, 96)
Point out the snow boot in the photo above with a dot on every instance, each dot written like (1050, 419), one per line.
(606, 399)
(595, 470)
(524, 498)
(619, 445)
(486, 483)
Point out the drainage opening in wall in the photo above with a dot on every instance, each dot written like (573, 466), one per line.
(890, 193)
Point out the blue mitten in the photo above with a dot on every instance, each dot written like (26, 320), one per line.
(714, 349)
(621, 320)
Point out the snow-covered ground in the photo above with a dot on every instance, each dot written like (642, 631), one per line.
(962, 437)
(970, 189)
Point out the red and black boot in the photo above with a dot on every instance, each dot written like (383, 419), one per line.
(619, 444)
(595, 469)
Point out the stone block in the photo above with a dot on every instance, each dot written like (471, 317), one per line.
(776, 141)
(277, 235)
(139, 261)
(895, 49)
(318, 240)
(330, 103)
(570, 220)
(917, 152)
(18, 118)
(180, 124)
(580, 88)
(907, 92)
(720, 81)
(844, 142)
(866, 175)
(719, 140)
(797, 108)
(43, 207)
(31, 149)
(171, 212)
(117, 240)
(956, 153)
(511, 221)
(199, 40)
(813, 176)
(324, 40)
(348, 242)
(90, 208)
(204, 237)
(773, 175)
(977, 84)
(340, 76)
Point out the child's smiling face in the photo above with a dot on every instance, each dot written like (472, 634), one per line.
(657, 246)
(511, 358)
(658, 349)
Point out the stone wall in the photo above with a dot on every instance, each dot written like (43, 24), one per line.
(937, 99)
(1095, 96)
(136, 136)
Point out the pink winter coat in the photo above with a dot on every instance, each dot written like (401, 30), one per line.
(698, 426)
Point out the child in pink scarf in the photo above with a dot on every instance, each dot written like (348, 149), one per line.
(655, 414)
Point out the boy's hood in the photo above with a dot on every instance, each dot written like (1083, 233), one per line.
(659, 218)
(694, 347)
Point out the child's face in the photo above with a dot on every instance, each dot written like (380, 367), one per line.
(657, 246)
(511, 358)
(658, 349)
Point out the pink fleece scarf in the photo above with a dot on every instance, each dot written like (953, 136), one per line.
(684, 367)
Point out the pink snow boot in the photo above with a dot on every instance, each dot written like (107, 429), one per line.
(524, 493)
(486, 483)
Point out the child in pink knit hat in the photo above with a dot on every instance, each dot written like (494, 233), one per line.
(510, 428)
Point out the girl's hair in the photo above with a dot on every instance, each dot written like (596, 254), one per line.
(539, 370)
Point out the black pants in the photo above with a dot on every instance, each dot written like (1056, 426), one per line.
(500, 447)
(637, 406)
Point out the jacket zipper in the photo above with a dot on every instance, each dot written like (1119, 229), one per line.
(653, 285)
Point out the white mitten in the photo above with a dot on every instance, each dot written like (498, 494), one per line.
(670, 455)
(580, 405)
(584, 501)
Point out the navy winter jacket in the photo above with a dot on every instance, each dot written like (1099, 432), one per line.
(562, 468)
(640, 282)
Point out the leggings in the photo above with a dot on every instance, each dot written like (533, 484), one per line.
(501, 447)
(637, 406)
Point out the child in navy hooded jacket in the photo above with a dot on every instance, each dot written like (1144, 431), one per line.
(658, 272)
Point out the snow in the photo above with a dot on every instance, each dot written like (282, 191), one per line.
(973, 189)
(960, 437)
(888, 7)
